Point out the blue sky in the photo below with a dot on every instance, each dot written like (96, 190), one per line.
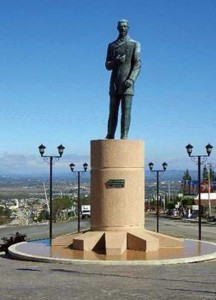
(54, 86)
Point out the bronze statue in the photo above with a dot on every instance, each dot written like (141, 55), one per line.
(123, 58)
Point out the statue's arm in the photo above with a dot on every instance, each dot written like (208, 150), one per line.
(111, 63)
(136, 66)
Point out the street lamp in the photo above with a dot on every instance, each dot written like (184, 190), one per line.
(200, 160)
(151, 165)
(72, 166)
(50, 158)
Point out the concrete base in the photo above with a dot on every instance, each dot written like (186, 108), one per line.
(61, 252)
(113, 243)
(117, 185)
(117, 202)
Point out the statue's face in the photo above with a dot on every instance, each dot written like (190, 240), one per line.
(123, 28)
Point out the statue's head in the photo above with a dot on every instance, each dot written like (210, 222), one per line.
(123, 27)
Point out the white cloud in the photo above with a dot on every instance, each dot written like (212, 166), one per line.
(30, 164)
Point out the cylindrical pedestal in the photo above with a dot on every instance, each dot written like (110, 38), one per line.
(117, 184)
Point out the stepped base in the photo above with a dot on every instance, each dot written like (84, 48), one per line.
(113, 243)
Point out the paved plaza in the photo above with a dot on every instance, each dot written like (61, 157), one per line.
(35, 280)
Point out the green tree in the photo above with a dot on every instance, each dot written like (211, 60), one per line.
(208, 172)
(43, 215)
(186, 180)
(1, 210)
(170, 205)
(187, 202)
(60, 204)
(5, 214)
(186, 175)
(208, 176)
(205, 173)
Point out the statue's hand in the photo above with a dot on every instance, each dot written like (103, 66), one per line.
(120, 59)
(128, 83)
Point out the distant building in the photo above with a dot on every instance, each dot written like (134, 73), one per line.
(205, 198)
(208, 202)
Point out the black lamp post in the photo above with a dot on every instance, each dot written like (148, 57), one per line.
(151, 165)
(72, 166)
(50, 158)
(200, 160)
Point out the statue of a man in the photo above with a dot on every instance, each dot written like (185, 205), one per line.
(123, 58)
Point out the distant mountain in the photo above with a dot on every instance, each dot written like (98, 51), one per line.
(172, 175)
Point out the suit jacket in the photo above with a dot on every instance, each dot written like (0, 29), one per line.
(129, 69)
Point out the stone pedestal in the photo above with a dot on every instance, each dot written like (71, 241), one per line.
(117, 201)
(117, 184)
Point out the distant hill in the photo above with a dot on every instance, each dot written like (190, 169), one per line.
(172, 175)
